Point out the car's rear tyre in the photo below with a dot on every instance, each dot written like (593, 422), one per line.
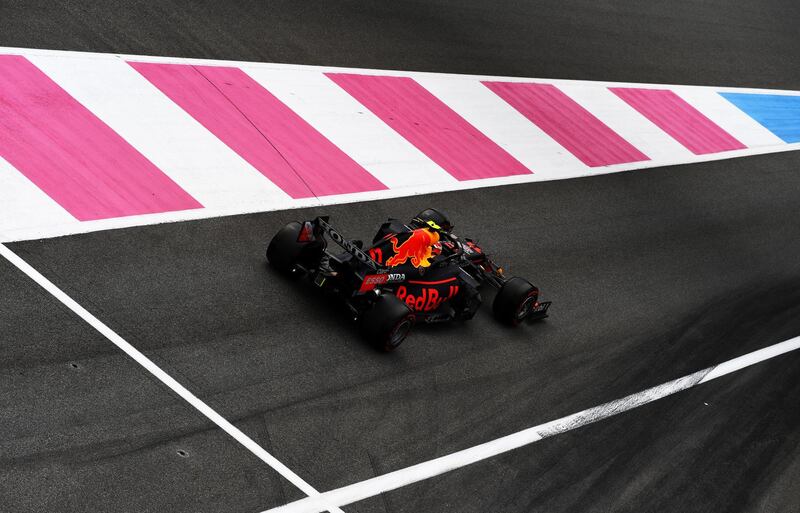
(514, 301)
(387, 323)
(284, 252)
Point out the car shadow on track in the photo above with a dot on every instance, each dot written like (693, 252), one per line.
(329, 310)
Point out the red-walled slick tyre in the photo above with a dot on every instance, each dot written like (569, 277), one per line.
(515, 300)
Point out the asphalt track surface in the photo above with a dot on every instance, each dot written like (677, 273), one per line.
(654, 274)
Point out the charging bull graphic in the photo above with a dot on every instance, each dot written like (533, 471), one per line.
(418, 247)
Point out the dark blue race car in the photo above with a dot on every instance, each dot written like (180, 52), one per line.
(415, 272)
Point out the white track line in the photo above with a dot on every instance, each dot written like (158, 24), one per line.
(386, 482)
(165, 378)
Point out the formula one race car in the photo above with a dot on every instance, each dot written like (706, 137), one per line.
(417, 272)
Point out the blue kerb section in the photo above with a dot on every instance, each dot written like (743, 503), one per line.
(779, 114)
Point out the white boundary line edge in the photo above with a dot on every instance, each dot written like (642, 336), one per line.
(162, 376)
(428, 469)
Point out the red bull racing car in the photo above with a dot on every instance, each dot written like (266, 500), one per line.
(417, 272)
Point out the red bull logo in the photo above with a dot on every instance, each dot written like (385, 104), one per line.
(418, 248)
(428, 298)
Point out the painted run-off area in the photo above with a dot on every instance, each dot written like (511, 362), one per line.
(95, 141)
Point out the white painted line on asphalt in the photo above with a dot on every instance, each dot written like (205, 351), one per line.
(428, 469)
(165, 378)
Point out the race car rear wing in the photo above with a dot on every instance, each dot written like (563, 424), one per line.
(320, 225)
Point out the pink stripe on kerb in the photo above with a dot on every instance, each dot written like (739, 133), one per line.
(572, 126)
(430, 125)
(261, 129)
(680, 120)
(73, 156)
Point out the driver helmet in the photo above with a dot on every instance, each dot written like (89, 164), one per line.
(432, 219)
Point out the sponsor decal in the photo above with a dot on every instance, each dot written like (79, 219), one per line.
(373, 280)
(376, 254)
(418, 248)
(347, 245)
(471, 247)
(427, 299)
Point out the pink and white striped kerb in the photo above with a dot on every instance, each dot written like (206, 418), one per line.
(679, 119)
(260, 128)
(92, 141)
(571, 125)
(71, 155)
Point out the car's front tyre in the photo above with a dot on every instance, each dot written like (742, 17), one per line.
(514, 301)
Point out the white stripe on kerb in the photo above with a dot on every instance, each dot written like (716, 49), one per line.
(729, 117)
(24, 205)
(176, 143)
(352, 128)
(504, 125)
(162, 376)
(399, 478)
(627, 122)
